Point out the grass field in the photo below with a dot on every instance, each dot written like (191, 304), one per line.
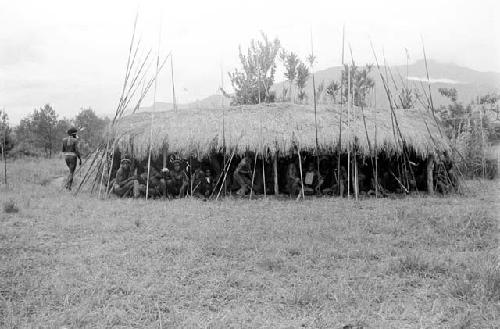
(415, 262)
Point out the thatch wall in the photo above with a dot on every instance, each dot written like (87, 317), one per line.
(277, 127)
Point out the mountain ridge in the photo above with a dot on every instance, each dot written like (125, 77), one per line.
(468, 82)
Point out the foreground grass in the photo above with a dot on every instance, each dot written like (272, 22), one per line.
(71, 262)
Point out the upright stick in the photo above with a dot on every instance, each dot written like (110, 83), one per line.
(311, 61)
(375, 148)
(348, 132)
(223, 126)
(149, 151)
(356, 182)
(110, 170)
(225, 175)
(264, 174)
(275, 173)
(263, 161)
(174, 101)
(253, 176)
(103, 168)
(301, 178)
(4, 158)
(483, 160)
(190, 176)
(152, 114)
(164, 153)
(340, 115)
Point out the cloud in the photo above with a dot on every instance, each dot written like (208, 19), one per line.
(433, 80)
(24, 48)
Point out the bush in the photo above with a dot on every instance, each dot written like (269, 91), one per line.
(10, 207)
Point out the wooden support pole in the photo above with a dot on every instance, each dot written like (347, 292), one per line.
(301, 176)
(348, 133)
(191, 175)
(225, 174)
(264, 175)
(275, 170)
(430, 173)
(164, 151)
(356, 178)
(103, 168)
(340, 116)
(150, 150)
(4, 158)
(164, 156)
(174, 101)
(253, 175)
(108, 187)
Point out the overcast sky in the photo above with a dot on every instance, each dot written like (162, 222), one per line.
(72, 54)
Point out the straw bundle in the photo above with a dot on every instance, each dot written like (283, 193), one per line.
(275, 127)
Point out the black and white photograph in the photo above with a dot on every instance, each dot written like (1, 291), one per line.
(250, 164)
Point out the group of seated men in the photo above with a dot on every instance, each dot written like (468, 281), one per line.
(248, 181)
(170, 183)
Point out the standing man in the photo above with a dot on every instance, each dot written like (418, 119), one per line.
(71, 154)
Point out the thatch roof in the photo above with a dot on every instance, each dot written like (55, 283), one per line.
(277, 127)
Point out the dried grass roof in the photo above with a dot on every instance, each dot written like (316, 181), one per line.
(277, 127)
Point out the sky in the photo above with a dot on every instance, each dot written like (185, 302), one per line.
(72, 54)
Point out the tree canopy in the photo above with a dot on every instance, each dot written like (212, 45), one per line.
(253, 83)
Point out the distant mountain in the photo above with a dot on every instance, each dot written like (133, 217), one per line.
(469, 83)
(213, 101)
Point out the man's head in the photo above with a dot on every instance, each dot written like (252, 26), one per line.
(177, 165)
(310, 167)
(72, 131)
(125, 161)
(208, 172)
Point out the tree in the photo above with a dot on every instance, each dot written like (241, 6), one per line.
(6, 141)
(91, 129)
(455, 117)
(333, 89)
(38, 131)
(44, 123)
(252, 85)
(302, 76)
(290, 61)
(61, 131)
(361, 83)
(406, 98)
(450, 93)
(492, 100)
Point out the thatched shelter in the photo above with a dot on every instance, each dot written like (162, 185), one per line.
(277, 127)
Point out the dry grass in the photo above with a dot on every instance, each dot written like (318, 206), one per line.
(71, 262)
(275, 126)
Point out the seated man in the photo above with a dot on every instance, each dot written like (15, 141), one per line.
(156, 181)
(312, 180)
(126, 182)
(176, 180)
(292, 180)
(204, 183)
(243, 175)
